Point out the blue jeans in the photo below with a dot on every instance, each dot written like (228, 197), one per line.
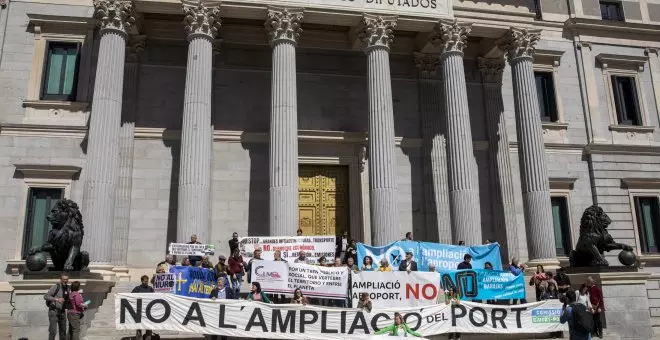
(236, 284)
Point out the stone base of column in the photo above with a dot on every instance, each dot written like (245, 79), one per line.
(121, 274)
(105, 270)
(548, 265)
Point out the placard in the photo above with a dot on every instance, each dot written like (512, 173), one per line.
(164, 283)
(248, 319)
(190, 249)
(397, 289)
(290, 246)
(482, 284)
(193, 281)
(279, 277)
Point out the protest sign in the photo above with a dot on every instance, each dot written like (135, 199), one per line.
(397, 289)
(280, 277)
(190, 249)
(235, 318)
(313, 246)
(443, 256)
(164, 282)
(482, 284)
(193, 281)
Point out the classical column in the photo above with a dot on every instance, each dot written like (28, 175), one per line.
(283, 28)
(136, 44)
(502, 196)
(194, 201)
(519, 45)
(375, 34)
(451, 38)
(102, 169)
(435, 153)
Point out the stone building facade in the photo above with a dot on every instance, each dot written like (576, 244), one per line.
(486, 120)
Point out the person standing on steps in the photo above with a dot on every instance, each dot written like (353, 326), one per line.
(194, 259)
(144, 287)
(57, 301)
(75, 313)
(597, 305)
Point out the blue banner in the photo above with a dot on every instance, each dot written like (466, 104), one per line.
(193, 281)
(482, 284)
(444, 256)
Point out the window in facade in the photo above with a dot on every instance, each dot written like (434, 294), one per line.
(545, 88)
(39, 203)
(611, 10)
(60, 71)
(562, 225)
(647, 210)
(625, 100)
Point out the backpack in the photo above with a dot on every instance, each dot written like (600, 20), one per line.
(582, 319)
(57, 290)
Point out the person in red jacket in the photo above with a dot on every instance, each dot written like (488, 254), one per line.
(598, 306)
(236, 271)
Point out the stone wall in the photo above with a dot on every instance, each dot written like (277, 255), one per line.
(653, 293)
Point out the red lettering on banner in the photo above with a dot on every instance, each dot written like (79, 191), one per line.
(266, 247)
(429, 291)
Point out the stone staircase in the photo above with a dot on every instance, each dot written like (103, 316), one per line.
(102, 326)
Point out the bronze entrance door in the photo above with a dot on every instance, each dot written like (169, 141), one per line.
(323, 199)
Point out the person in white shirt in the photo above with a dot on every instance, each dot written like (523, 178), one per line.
(582, 296)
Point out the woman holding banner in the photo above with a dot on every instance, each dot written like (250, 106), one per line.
(454, 298)
(257, 295)
(398, 327)
(384, 266)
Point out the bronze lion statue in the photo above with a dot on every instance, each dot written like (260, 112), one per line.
(65, 238)
(594, 240)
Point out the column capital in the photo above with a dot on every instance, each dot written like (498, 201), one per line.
(519, 43)
(450, 36)
(201, 19)
(491, 70)
(136, 44)
(116, 15)
(426, 63)
(376, 31)
(283, 24)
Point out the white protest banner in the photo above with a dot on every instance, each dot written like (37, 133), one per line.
(190, 249)
(164, 282)
(313, 246)
(235, 318)
(397, 289)
(278, 277)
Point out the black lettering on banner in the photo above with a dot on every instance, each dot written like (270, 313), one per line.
(124, 306)
(324, 324)
(194, 307)
(374, 320)
(483, 316)
(304, 321)
(257, 314)
(289, 321)
(500, 318)
(419, 320)
(221, 318)
(433, 5)
(464, 289)
(518, 311)
(454, 315)
(165, 316)
(359, 318)
(342, 320)
(447, 282)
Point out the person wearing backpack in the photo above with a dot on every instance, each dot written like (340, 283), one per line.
(57, 301)
(578, 317)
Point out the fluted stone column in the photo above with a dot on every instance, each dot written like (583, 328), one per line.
(451, 37)
(194, 201)
(519, 45)
(435, 154)
(114, 18)
(136, 44)
(502, 194)
(376, 37)
(283, 28)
